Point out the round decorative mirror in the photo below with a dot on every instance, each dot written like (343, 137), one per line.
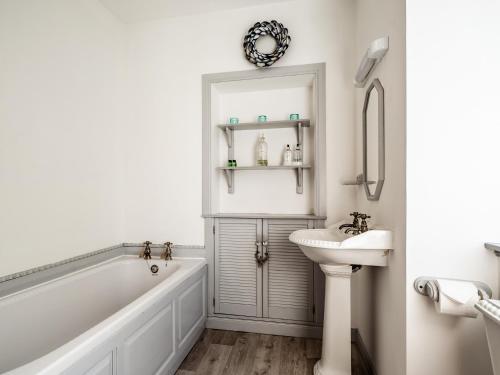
(374, 141)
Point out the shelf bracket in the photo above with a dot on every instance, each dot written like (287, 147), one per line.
(229, 174)
(229, 133)
(300, 180)
(229, 136)
(300, 133)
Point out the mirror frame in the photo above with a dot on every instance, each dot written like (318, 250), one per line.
(377, 85)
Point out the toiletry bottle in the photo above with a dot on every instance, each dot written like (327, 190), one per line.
(288, 156)
(262, 151)
(297, 155)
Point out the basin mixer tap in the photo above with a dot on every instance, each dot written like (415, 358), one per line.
(364, 226)
(354, 231)
(356, 227)
(355, 222)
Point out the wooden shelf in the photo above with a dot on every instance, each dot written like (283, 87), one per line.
(299, 169)
(229, 129)
(266, 125)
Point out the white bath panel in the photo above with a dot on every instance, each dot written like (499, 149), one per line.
(148, 350)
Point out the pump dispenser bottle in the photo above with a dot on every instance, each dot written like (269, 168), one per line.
(297, 155)
(288, 156)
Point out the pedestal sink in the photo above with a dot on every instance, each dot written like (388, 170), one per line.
(336, 252)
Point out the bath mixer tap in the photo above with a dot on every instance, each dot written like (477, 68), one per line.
(167, 254)
(146, 253)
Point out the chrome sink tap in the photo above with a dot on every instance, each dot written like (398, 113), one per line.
(146, 253)
(167, 254)
(354, 225)
(354, 231)
(364, 225)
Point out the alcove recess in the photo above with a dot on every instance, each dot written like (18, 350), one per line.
(275, 189)
(254, 271)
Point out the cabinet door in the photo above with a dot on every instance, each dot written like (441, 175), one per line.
(288, 274)
(238, 280)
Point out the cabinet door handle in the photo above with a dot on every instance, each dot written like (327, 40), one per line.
(258, 257)
(265, 258)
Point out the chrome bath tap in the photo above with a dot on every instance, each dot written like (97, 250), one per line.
(167, 254)
(146, 253)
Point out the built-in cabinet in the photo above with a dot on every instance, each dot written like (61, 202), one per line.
(259, 273)
(258, 280)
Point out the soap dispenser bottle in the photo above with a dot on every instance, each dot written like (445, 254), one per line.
(288, 156)
(262, 151)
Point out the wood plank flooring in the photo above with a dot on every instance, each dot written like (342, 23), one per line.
(238, 353)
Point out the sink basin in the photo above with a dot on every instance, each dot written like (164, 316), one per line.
(332, 247)
(336, 252)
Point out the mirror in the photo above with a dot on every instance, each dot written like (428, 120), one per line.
(374, 141)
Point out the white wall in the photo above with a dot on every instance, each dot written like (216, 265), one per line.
(452, 172)
(92, 156)
(59, 76)
(379, 300)
(163, 135)
(257, 192)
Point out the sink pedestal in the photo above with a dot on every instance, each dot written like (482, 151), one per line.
(335, 251)
(336, 351)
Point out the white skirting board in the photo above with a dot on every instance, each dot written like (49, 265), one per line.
(259, 326)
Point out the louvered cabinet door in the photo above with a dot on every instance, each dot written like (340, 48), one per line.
(238, 280)
(288, 273)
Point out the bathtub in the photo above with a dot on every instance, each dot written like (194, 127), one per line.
(116, 317)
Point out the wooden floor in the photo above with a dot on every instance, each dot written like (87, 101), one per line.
(238, 353)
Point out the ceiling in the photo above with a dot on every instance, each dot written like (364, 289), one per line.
(130, 11)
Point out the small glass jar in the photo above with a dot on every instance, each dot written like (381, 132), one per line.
(234, 120)
(262, 118)
(294, 116)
